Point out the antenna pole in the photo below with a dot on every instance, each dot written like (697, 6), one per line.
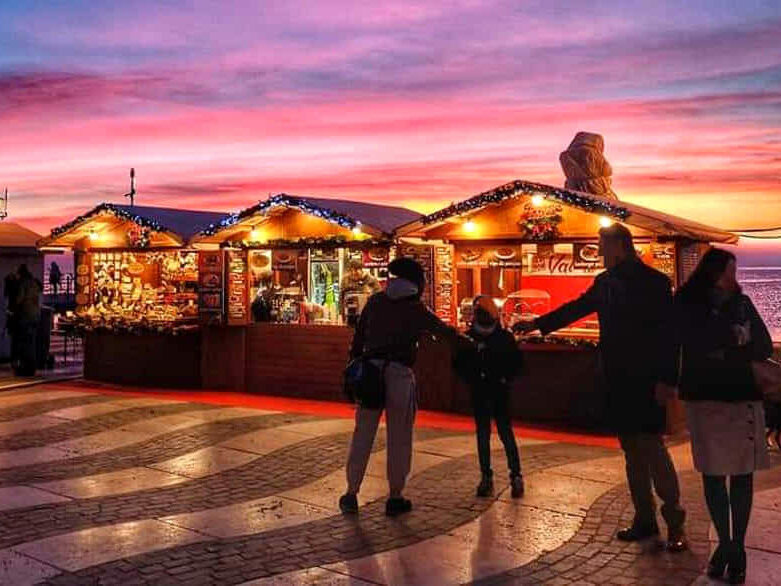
(132, 193)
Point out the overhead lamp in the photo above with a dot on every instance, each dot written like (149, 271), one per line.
(357, 230)
(605, 222)
(254, 234)
(93, 235)
(537, 200)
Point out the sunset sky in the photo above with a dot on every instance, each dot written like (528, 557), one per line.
(219, 103)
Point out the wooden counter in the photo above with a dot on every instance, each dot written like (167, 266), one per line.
(559, 385)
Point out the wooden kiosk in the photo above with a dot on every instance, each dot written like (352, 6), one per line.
(533, 247)
(294, 254)
(137, 292)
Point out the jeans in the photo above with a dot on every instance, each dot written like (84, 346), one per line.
(648, 464)
(400, 409)
(494, 405)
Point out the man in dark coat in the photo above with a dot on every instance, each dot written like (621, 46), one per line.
(640, 366)
(28, 314)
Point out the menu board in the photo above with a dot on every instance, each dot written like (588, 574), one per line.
(83, 279)
(423, 253)
(210, 286)
(237, 287)
(444, 283)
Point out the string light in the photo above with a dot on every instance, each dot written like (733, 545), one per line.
(283, 200)
(118, 212)
(521, 188)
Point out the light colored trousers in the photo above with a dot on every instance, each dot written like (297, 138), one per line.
(400, 408)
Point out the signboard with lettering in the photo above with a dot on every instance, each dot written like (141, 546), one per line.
(237, 287)
(210, 286)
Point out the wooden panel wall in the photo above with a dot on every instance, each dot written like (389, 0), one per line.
(148, 360)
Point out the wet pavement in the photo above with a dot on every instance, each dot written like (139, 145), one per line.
(105, 487)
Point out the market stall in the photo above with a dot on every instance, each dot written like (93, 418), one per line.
(137, 292)
(533, 247)
(298, 272)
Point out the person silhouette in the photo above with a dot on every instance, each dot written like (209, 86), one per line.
(639, 361)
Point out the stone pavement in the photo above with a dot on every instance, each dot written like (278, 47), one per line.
(104, 487)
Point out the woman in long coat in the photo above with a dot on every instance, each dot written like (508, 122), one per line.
(721, 335)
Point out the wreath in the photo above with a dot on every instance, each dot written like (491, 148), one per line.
(541, 223)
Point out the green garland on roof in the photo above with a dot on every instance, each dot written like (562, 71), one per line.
(285, 200)
(115, 211)
(520, 188)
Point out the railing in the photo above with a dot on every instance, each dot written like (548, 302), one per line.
(65, 296)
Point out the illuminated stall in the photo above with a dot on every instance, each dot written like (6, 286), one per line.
(533, 247)
(137, 291)
(298, 271)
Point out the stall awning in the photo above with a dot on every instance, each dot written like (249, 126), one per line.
(656, 222)
(175, 226)
(373, 219)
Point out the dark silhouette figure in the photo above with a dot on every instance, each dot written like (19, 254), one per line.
(10, 292)
(488, 368)
(721, 334)
(55, 277)
(640, 367)
(27, 316)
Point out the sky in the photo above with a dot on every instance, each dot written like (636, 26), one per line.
(418, 103)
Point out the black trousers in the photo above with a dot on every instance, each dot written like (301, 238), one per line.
(649, 468)
(493, 404)
(24, 342)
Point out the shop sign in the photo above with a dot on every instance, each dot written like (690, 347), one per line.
(210, 286)
(586, 256)
(555, 261)
(238, 289)
(284, 260)
(505, 257)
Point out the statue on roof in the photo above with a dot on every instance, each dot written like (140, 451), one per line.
(585, 166)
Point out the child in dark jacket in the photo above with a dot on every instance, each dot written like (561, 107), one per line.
(488, 368)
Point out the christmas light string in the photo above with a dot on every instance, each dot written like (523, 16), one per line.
(520, 188)
(308, 242)
(289, 201)
(118, 212)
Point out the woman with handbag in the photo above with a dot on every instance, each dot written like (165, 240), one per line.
(722, 338)
(383, 351)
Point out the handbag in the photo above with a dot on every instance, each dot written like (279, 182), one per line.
(767, 375)
(364, 383)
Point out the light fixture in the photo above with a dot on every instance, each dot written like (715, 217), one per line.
(254, 234)
(605, 222)
(93, 235)
(470, 226)
(537, 200)
(357, 230)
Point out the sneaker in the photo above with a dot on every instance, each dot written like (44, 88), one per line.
(638, 532)
(397, 506)
(676, 540)
(486, 486)
(516, 486)
(348, 504)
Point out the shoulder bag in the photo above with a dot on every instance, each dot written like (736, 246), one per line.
(364, 382)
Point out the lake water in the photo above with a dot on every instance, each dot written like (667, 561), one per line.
(763, 285)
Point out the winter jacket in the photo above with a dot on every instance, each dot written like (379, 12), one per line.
(636, 341)
(391, 328)
(491, 363)
(714, 366)
(28, 300)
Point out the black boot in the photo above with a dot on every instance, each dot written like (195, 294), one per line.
(638, 531)
(395, 506)
(486, 486)
(517, 488)
(736, 569)
(718, 561)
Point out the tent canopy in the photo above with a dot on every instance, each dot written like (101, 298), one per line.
(13, 235)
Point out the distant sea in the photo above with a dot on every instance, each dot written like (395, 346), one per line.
(763, 285)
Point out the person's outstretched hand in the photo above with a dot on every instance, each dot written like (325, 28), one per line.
(524, 327)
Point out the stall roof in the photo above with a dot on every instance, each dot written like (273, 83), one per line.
(13, 235)
(634, 215)
(381, 219)
(181, 224)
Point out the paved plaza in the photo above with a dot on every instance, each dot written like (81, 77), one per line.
(99, 486)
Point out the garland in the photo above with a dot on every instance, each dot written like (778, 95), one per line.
(519, 188)
(308, 242)
(114, 325)
(285, 200)
(118, 212)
